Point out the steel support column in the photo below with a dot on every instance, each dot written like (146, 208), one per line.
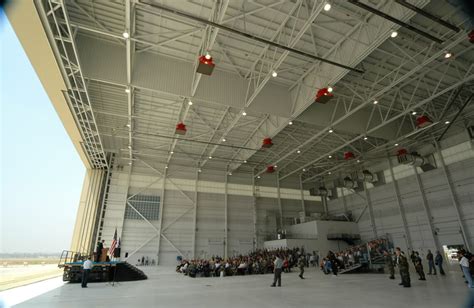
(195, 213)
(162, 206)
(255, 238)
(427, 209)
(396, 190)
(226, 227)
(280, 209)
(453, 196)
(303, 208)
(344, 201)
(371, 210)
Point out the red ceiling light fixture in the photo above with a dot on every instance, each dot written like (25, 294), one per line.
(348, 155)
(423, 121)
(267, 143)
(180, 129)
(205, 65)
(270, 169)
(324, 95)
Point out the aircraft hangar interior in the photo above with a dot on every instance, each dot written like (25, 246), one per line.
(230, 131)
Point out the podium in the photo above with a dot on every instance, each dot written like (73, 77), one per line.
(103, 255)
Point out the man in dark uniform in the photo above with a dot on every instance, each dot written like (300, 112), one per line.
(431, 265)
(100, 246)
(301, 264)
(389, 263)
(419, 266)
(413, 257)
(402, 263)
(439, 262)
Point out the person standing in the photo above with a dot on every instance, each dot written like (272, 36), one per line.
(389, 264)
(86, 269)
(431, 265)
(439, 261)
(277, 268)
(465, 268)
(301, 264)
(419, 266)
(402, 263)
(100, 246)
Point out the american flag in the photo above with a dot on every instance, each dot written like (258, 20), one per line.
(114, 244)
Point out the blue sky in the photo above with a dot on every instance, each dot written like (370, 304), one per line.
(41, 172)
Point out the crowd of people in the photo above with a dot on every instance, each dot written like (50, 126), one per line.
(260, 261)
(263, 261)
(358, 254)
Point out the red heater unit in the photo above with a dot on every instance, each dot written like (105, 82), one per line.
(348, 155)
(323, 96)
(471, 36)
(205, 65)
(423, 121)
(270, 169)
(267, 143)
(180, 129)
(402, 152)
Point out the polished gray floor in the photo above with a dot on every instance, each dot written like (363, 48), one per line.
(165, 288)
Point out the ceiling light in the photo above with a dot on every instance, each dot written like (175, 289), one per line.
(330, 130)
(298, 151)
(244, 113)
(329, 172)
(129, 146)
(208, 56)
(290, 123)
(396, 144)
(171, 152)
(447, 122)
(330, 156)
(126, 35)
(330, 89)
(376, 102)
(127, 90)
(245, 161)
(129, 163)
(190, 103)
(230, 173)
(447, 55)
(128, 125)
(327, 7)
(394, 34)
(274, 74)
(210, 157)
(365, 138)
(258, 176)
(275, 166)
(304, 170)
(413, 112)
(224, 140)
(358, 160)
(199, 170)
(166, 167)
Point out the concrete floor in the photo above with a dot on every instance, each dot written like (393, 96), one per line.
(165, 288)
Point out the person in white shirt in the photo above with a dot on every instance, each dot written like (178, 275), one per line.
(465, 269)
(86, 269)
(278, 264)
